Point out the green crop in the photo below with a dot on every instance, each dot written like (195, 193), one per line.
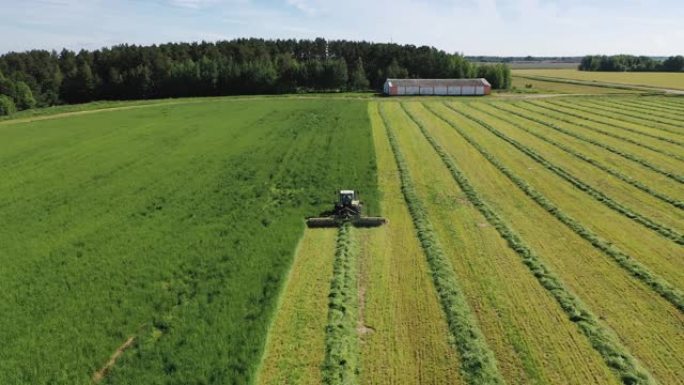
(173, 224)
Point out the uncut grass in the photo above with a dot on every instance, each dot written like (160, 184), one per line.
(573, 107)
(403, 332)
(629, 130)
(660, 254)
(295, 346)
(627, 166)
(651, 328)
(661, 160)
(535, 346)
(172, 224)
(619, 190)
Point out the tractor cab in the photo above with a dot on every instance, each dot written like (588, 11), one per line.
(348, 198)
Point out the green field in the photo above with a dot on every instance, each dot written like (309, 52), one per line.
(660, 80)
(174, 224)
(531, 240)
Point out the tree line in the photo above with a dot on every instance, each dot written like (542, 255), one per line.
(41, 78)
(631, 63)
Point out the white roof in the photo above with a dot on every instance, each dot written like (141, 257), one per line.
(346, 191)
(438, 82)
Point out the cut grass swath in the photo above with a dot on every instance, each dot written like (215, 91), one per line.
(597, 109)
(675, 107)
(608, 133)
(636, 269)
(596, 194)
(614, 150)
(478, 362)
(603, 106)
(341, 343)
(593, 162)
(636, 106)
(602, 339)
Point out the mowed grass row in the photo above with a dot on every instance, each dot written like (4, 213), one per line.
(589, 148)
(172, 224)
(667, 80)
(637, 106)
(540, 86)
(633, 119)
(656, 120)
(610, 202)
(659, 254)
(528, 112)
(402, 328)
(615, 172)
(638, 270)
(341, 363)
(673, 105)
(658, 142)
(478, 365)
(295, 347)
(656, 153)
(573, 108)
(615, 355)
(649, 326)
(535, 345)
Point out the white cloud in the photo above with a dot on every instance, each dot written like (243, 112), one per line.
(303, 6)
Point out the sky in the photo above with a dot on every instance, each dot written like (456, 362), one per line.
(472, 27)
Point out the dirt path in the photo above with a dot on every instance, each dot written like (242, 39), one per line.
(85, 112)
(100, 374)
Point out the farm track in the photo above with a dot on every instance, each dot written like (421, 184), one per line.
(626, 155)
(612, 171)
(616, 136)
(646, 323)
(478, 365)
(613, 352)
(639, 119)
(404, 337)
(341, 364)
(627, 262)
(663, 230)
(295, 346)
(536, 346)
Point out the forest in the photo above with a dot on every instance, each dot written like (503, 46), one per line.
(42, 78)
(622, 63)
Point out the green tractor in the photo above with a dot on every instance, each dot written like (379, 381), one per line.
(348, 208)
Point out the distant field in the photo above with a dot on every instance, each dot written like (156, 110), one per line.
(526, 85)
(530, 241)
(663, 80)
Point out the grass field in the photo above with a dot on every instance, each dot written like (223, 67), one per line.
(536, 86)
(664, 80)
(172, 224)
(530, 241)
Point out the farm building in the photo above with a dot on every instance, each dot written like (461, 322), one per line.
(452, 87)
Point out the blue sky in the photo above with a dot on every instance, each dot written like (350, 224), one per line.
(473, 27)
